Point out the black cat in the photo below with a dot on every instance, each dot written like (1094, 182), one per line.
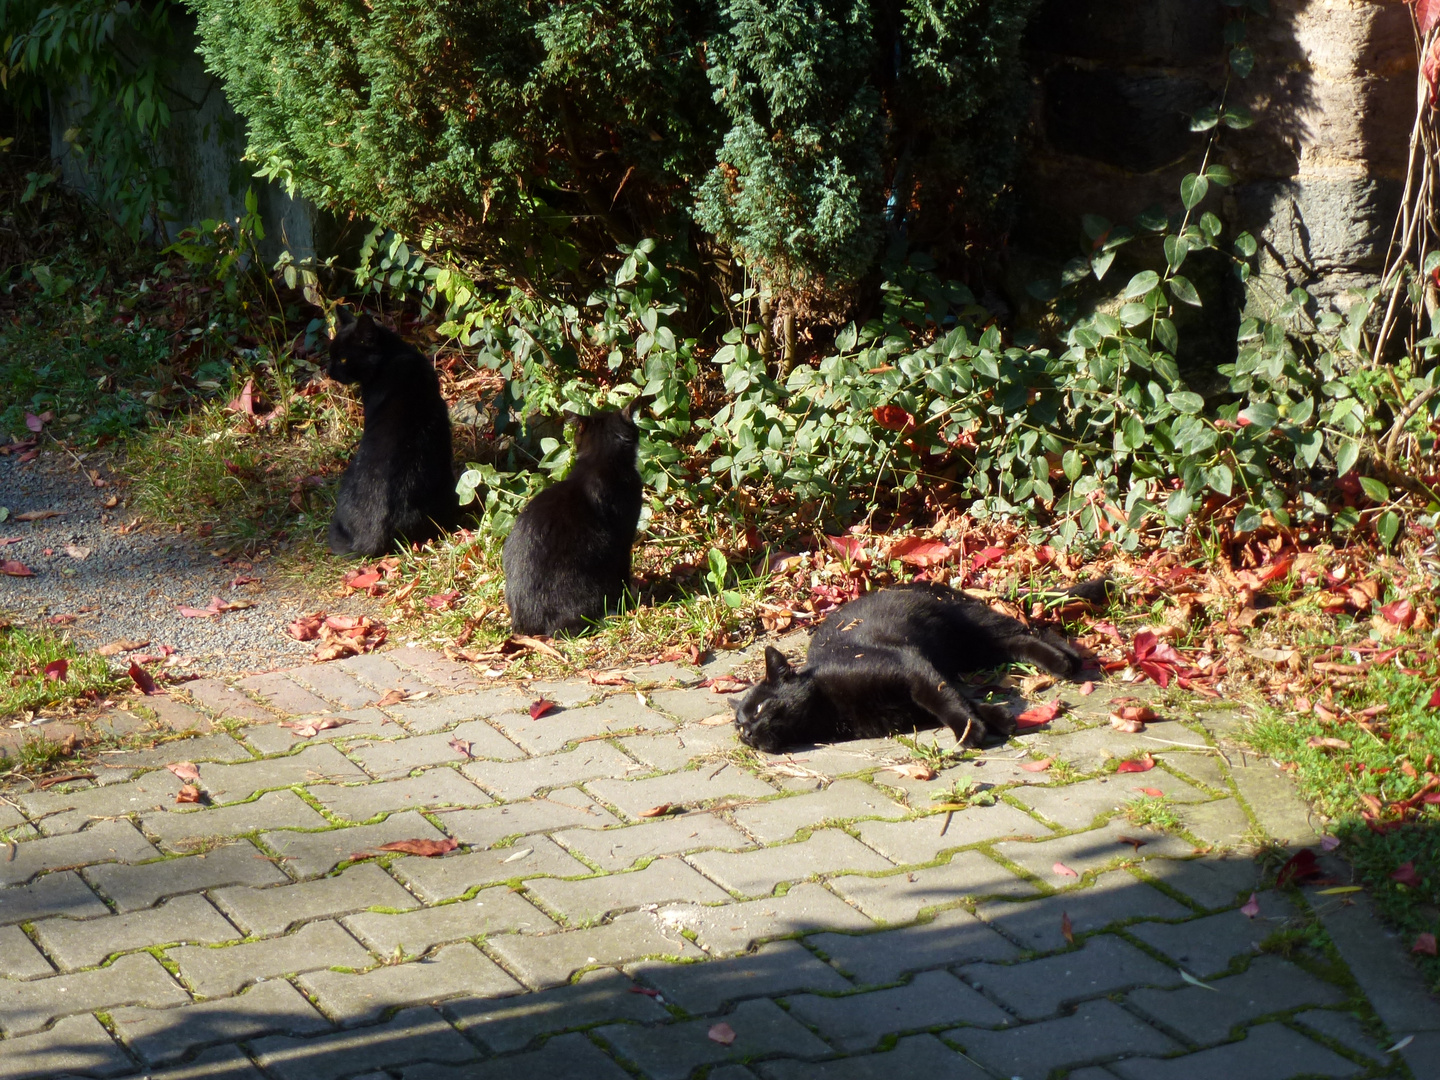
(401, 481)
(567, 561)
(891, 661)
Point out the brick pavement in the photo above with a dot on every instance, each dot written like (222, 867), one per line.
(785, 918)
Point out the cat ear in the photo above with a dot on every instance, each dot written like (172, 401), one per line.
(776, 666)
(343, 318)
(628, 409)
(365, 328)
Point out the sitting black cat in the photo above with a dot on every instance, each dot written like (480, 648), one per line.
(567, 562)
(401, 481)
(890, 662)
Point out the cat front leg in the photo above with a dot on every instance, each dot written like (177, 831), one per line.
(970, 721)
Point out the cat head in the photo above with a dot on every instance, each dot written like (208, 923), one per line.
(778, 712)
(606, 434)
(358, 349)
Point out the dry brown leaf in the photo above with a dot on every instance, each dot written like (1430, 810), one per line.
(722, 1033)
(915, 770)
(308, 729)
(184, 770)
(391, 697)
(114, 648)
(1067, 931)
(1129, 727)
(427, 848)
(188, 793)
(461, 747)
(538, 646)
(1319, 742)
(657, 811)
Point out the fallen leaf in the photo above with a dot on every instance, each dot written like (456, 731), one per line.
(185, 770)
(726, 684)
(1038, 716)
(1129, 727)
(1401, 613)
(1067, 931)
(39, 515)
(657, 811)
(1405, 875)
(243, 402)
(1424, 943)
(538, 646)
(915, 770)
(308, 729)
(141, 678)
(848, 547)
(1317, 742)
(1434, 702)
(1038, 766)
(443, 601)
(1134, 841)
(14, 568)
(57, 670)
(524, 851)
(1153, 792)
(1299, 867)
(643, 990)
(610, 678)
(1329, 843)
(1064, 871)
(1406, 1041)
(114, 648)
(540, 707)
(1087, 689)
(391, 697)
(1134, 765)
(914, 551)
(426, 848)
(362, 579)
(1251, 907)
(1193, 981)
(75, 551)
(985, 556)
(196, 613)
(33, 422)
(188, 793)
(461, 747)
(721, 1033)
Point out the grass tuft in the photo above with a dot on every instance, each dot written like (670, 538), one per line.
(24, 654)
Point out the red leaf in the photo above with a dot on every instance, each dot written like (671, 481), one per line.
(1434, 702)
(15, 569)
(308, 729)
(657, 811)
(916, 552)
(1424, 943)
(1427, 14)
(1401, 613)
(1064, 871)
(1067, 930)
(1153, 792)
(1405, 875)
(1140, 764)
(1430, 68)
(197, 613)
(244, 402)
(56, 670)
(1038, 766)
(307, 627)
(985, 557)
(391, 697)
(540, 708)
(644, 990)
(442, 601)
(1038, 716)
(362, 579)
(889, 417)
(1300, 867)
(422, 847)
(849, 547)
(1251, 907)
(461, 747)
(34, 423)
(141, 678)
(188, 793)
(185, 770)
(722, 1033)
(1086, 689)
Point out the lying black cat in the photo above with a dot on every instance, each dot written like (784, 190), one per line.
(567, 562)
(401, 481)
(891, 661)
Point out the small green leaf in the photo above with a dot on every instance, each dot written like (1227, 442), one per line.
(1101, 263)
(1219, 478)
(1388, 528)
(1166, 334)
(1073, 464)
(1220, 174)
(1262, 416)
(1186, 401)
(1248, 520)
(1141, 284)
(1178, 507)
(1242, 61)
(1176, 250)
(1193, 190)
(1376, 491)
(1237, 118)
(1182, 290)
(1346, 457)
(1245, 244)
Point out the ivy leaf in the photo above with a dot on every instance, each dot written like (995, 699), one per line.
(1182, 290)
(1388, 528)
(1193, 190)
(1248, 520)
(1141, 284)
(1374, 489)
(1101, 263)
(1186, 401)
(1245, 244)
(1262, 416)
(1220, 479)
(1220, 174)
(1165, 333)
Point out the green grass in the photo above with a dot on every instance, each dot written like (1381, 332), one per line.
(24, 652)
(1152, 813)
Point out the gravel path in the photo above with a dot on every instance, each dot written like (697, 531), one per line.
(120, 584)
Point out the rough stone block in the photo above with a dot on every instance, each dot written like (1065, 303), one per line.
(217, 747)
(1098, 1030)
(308, 855)
(546, 960)
(917, 1056)
(221, 972)
(617, 849)
(1268, 986)
(688, 706)
(663, 881)
(232, 783)
(331, 682)
(930, 999)
(435, 668)
(1267, 1052)
(1270, 795)
(921, 840)
(133, 887)
(160, 1036)
(844, 800)
(1098, 849)
(757, 873)
(355, 724)
(492, 911)
(1076, 806)
(568, 1057)
(1115, 897)
(180, 829)
(1102, 965)
(60, 893)
(1202, 766)
(618, 715)
(1209, 882)
(399, 757)
(1221, 823)
(75, 1045)
(782, 967)
(284, 695)
(672, 750)
(225, 702)
(84, 944)
(454, 875)
(412, 1035)
(434, 787)
(952, 937)
(1206, 946)
(674, 1051)
(1345, 1029)
(521, 779)
(567, 808)
(70, 811)
(453, 971)
(690, 789)
(508, 1024)
(382, 674)
(104, 841)
(137, 979)
(174, 716)
(19, 959)
(274, 910)
(217, 1063)
(898, 898)
(437, 714)
(724, 931)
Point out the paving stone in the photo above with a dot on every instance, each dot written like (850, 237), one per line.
(171, 714)
(411, 1035)
(435, 668)
(363, 997)
(673, 1051)
(916, 1056)
(381, 673)
(1209, 882)
(133, 887)
(401, 756)
(921, 840)
(1098, 1030)
(232, 783)
(1000, 768)
(450, 876)
(217, 1063)
(1089, 749)
(1268, 1052)
(60, 893)
(137, 979)
(724, 931)
(10, 817)
(566, 808)
(1422, 1054)
(781, 967)
(521, 779)
(1206, 946)
(217, 747)
(1222, 823)
(952, 937)
(1202, 766)
(104, 841)
(1345, 1029)
(70, 811)
(930, 999)
(217, 973)
(620, 714)
(1270, 796)
(492, 911)
(618, 849)
(1098, 849)
(672, 750)
(1269, 985)
(331, 682)
(308, 855)
(437, 714)
(546, 960)
(357, 724)
(434, 787)
(731, 1072)
(512, 1023)
(1075, 806)
(160, 1036)
(77, 1044)
(19, 959)
(283, 695)
(1115, 897)
(663, 881)
(180, 829)
(568, 1057)
(843, 800)
(757, 873)
(690, 705)
(567, 693)
(274, 910)
(901, 897)
(1102, 965)
(75, 945)
(225, 702)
